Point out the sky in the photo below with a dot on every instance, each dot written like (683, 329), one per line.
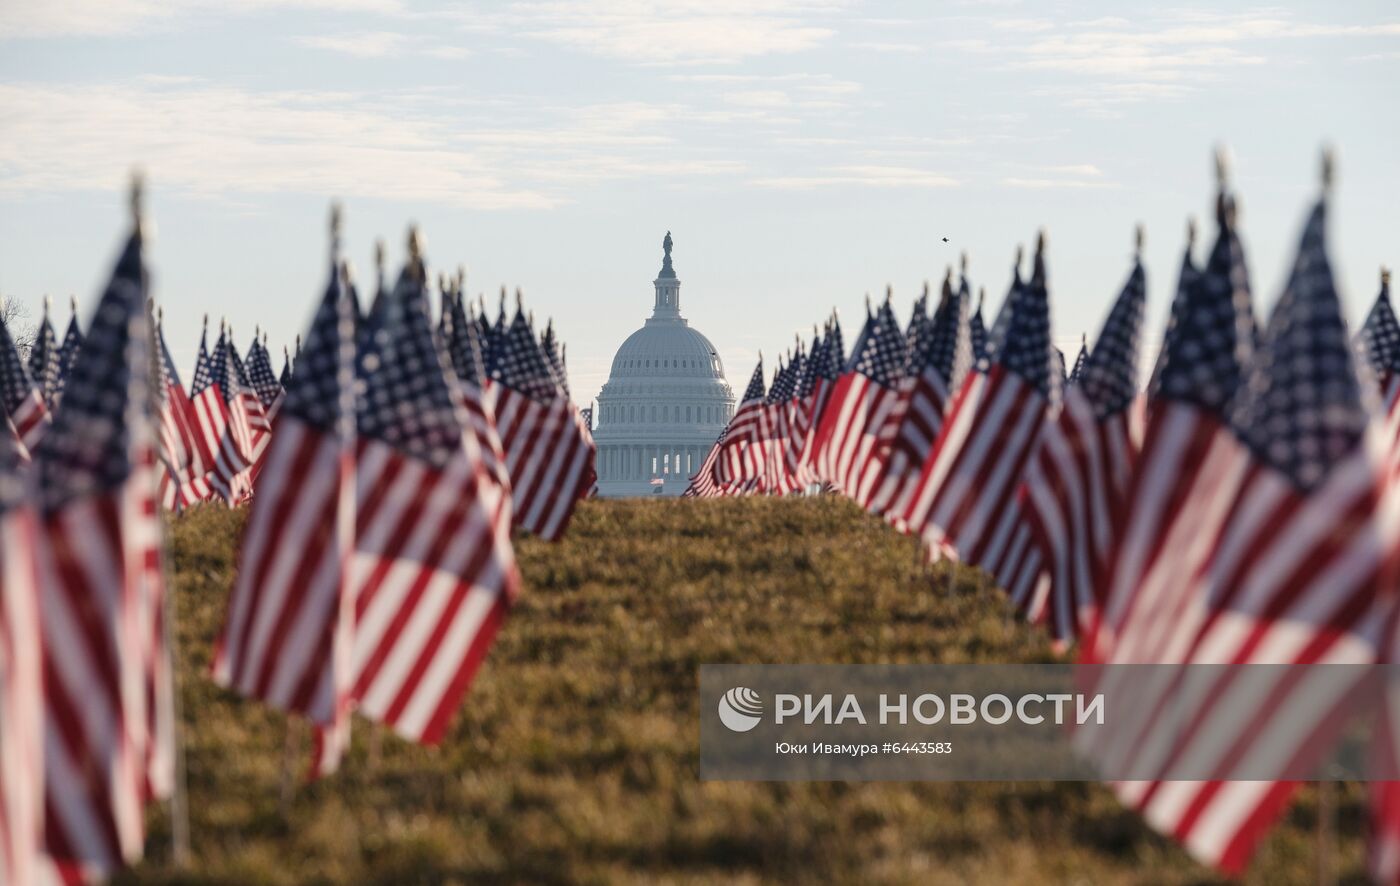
(803, 154)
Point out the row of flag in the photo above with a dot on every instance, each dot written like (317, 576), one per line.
(383, 469)
(1242, 509)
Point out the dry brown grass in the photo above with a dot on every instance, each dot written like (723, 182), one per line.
(575, 758)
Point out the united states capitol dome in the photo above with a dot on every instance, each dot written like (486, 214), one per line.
(665, 402)
(667, 349)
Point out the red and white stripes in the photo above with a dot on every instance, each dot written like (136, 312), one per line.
(549, 456)
(21, 698)
(1076, 493)
(431, 578)
(970, 479)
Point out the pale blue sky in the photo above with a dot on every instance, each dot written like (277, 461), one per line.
(802, 153)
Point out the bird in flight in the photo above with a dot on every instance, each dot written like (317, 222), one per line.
(945, 239)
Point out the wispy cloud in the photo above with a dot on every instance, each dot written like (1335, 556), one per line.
(861, 176)
(1148, 58)
(380, 44)
(221, 142)
(664, 32)
(85, 18)
(883, 47)
(1071, 176)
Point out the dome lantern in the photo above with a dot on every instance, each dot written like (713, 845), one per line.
(668, 287)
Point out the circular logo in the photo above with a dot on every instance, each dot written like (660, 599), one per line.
(740, 709)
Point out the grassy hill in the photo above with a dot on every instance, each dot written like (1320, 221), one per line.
(575, 756)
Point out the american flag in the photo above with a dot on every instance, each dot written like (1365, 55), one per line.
(938, 363)
(549, 454)
(796, 419)
(780, 476)
(704, 483)
(1378, 352)
(461, 336)
(495, 337)
(433, 572)
(804, 403)
(68, 352)
(1188, 452)
(555, 352)
(1378, 342)
(250, 400)
(859, 422)
(741, 460)
(285, 378)
(1277, 583)
(964, 503)
(225, 432)
(44, 363)
(977, 330)
(1079, 361)
(825, 365)
(287, 635)
(182, 447)
(485, 332)
(996, 336)
(107, 674)
(260, 375)
(21, 692)
(1076, 487)
(246, 411)
(919, 324)
(24, 405)
(1383, 857)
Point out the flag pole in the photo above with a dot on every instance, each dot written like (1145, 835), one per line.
(179, 800)
(1326, 790)
(179, 794)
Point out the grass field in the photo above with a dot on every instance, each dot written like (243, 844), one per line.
(574, 758)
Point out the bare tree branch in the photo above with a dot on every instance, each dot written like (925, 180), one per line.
(20, 324)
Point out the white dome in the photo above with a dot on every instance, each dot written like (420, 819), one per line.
(664, 403)
(667, 348)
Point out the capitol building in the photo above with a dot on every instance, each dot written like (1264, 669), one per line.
(665, 401)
